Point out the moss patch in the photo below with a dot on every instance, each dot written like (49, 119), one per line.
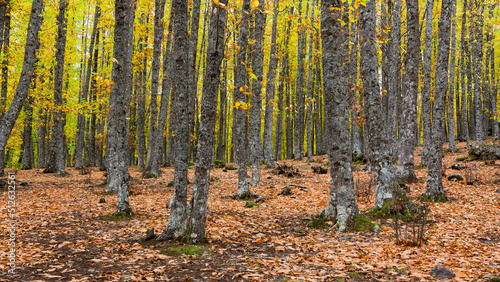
(421, 166)
(176, 251)
(230, 167)
(120, 216)
(362, 223)
(251, 205)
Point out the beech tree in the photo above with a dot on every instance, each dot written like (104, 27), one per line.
(405, 168)
(434, 190)
(8, 120)
(177, 219)
(342, 206)
(384, 174)
(196, 223)
(56, 163)
(119, 99)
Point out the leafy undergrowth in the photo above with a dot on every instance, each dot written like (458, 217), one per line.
(64, 233)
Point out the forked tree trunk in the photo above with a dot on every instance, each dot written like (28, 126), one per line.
(8, 120)
(342, 206)
(434, 190)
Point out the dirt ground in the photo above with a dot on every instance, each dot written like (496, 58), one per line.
(63, 233)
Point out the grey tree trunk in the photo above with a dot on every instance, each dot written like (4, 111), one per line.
(279, 118)
(385, 178)
(239, 124)
(221, 136)
(177, 219)
(119, 97)
(434, 190)
(80, 132)
(270, 93)
(451, 94)
(56, 163)
(8, 120)
(153, 157)
(394, 75)
(463, 86)
(28, 154)
(42, 136)
(215, 53)
(342, 206)
(298, 138)
(255, 120)
(496, 130)
(426, 90)
(310, 86)
(477, 57)
(405, 170)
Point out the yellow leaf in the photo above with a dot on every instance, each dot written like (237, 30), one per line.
(252, 75)
(254, 4)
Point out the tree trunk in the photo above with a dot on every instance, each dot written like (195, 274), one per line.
(463, 86)
(299, 94)
(255, 120)
(215, 53)
(56, 162)
(451, 95)
(434, 190)
(385, 178)
(477, 57)
(119, 100)
(239, 127)
(270, 93)
(496, 130)
(426, 90)
(405, 170)
(28, 154)
(342, 206)
(177, 218)
(310, 86)
(8, 120)
(394, 74)
(153, 162)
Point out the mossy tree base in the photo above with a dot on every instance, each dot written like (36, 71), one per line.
(245, 196)
(439, 198)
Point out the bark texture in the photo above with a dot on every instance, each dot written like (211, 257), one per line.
(270, 93)
(239, 128)
(451, 92)
(426, 90)
(177, 218)
(342, 206)
(56, 163)
(434, 190)
(385, 177)
(153, 157)
(119, 97)
(215, 53)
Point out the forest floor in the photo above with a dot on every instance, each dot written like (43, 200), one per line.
(63, 232)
